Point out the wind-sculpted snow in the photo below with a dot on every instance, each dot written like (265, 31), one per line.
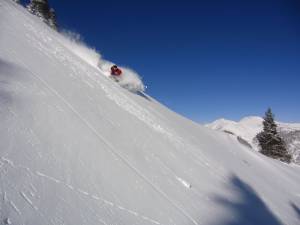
(78, 149)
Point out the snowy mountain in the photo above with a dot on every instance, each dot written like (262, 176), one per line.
(247, 128)
(78, 148)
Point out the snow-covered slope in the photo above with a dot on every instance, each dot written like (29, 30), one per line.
(76, 148)
(247, 128)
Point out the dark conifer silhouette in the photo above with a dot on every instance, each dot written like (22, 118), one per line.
(42, 9)
(271, 144)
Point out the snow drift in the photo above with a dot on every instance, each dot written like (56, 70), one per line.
(73, 41)
(78, 149)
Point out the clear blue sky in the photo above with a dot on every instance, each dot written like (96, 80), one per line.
(203, 59)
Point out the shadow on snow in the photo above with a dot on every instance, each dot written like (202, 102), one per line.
(296, 209)
(249, 209)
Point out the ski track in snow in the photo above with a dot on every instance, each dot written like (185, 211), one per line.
(110, 147)
(27, 199)
(15, 208)
(79, 191)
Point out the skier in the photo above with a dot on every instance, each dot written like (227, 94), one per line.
(115, 73)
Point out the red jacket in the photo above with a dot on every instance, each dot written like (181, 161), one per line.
(115, 71)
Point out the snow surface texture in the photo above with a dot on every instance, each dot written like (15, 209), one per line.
(76, 149)
(247, 129)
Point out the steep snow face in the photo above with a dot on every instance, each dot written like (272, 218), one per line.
(76, 148)
(248, 127)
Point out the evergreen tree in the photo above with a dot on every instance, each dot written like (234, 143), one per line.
(52, 19)
(39, 8)
(270, 142)
(42, 9)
